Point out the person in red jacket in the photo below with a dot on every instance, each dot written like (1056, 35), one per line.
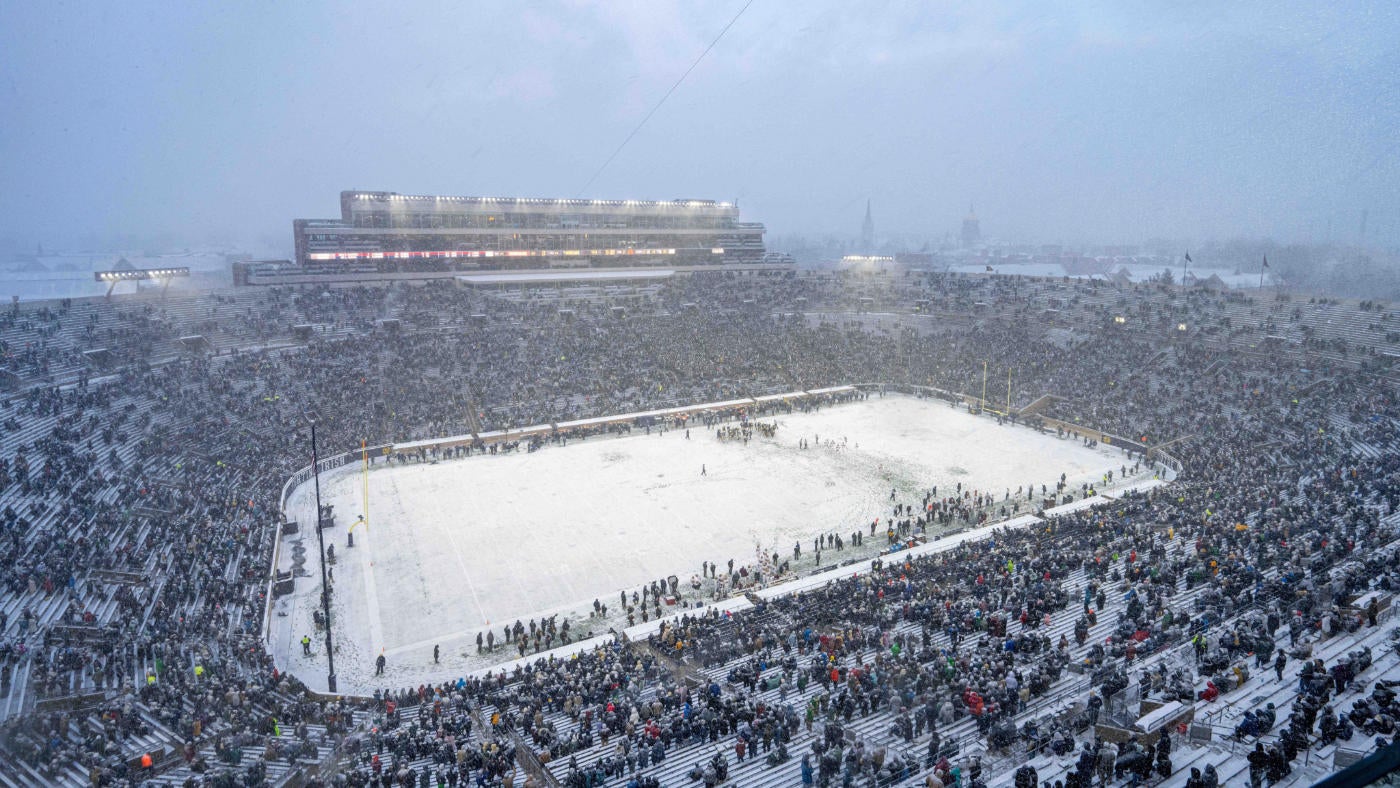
(1210, 693)
(973, 701)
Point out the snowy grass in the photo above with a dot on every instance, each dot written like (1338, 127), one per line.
(458, 546)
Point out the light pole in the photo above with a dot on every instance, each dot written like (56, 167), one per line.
(321, 544)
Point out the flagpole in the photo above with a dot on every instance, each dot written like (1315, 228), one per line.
(321, 545)
(1263, 268)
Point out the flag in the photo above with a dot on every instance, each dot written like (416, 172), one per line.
(1188, 257)
(990, 270)
(1266, 262)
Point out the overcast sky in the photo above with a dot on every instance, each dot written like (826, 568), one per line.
(1109, 122)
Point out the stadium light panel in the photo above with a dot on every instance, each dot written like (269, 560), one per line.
(140, 274)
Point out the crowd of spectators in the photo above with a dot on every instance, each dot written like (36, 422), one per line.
(139, 500)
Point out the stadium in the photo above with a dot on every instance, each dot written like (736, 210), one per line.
(382, 232)
(868, 527)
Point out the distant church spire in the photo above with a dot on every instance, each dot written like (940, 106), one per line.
(971, 228)
(867, 231)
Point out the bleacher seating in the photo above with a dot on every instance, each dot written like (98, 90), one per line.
(140, 501)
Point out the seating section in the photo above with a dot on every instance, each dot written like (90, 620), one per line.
(1241, 598)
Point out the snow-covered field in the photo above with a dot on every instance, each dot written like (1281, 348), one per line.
(462, 545)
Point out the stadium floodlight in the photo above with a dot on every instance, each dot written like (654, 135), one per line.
(1119, 319)
(140, 273)
(162, 275)
(1180, 326)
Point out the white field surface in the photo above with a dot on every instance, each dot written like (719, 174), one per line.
(462, 545)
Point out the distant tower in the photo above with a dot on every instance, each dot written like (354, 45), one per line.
(867, 231)
(971, 229)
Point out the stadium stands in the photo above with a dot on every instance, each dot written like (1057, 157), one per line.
(139, 508)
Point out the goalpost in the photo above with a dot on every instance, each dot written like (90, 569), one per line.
(364, 477)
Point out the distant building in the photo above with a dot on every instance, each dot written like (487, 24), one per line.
(971, 229)
(867, 231)
(388, 232)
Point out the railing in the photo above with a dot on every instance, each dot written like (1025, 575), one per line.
(1169, 459)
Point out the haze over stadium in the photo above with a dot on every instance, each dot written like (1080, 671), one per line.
(205, 125)
(706, 395)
